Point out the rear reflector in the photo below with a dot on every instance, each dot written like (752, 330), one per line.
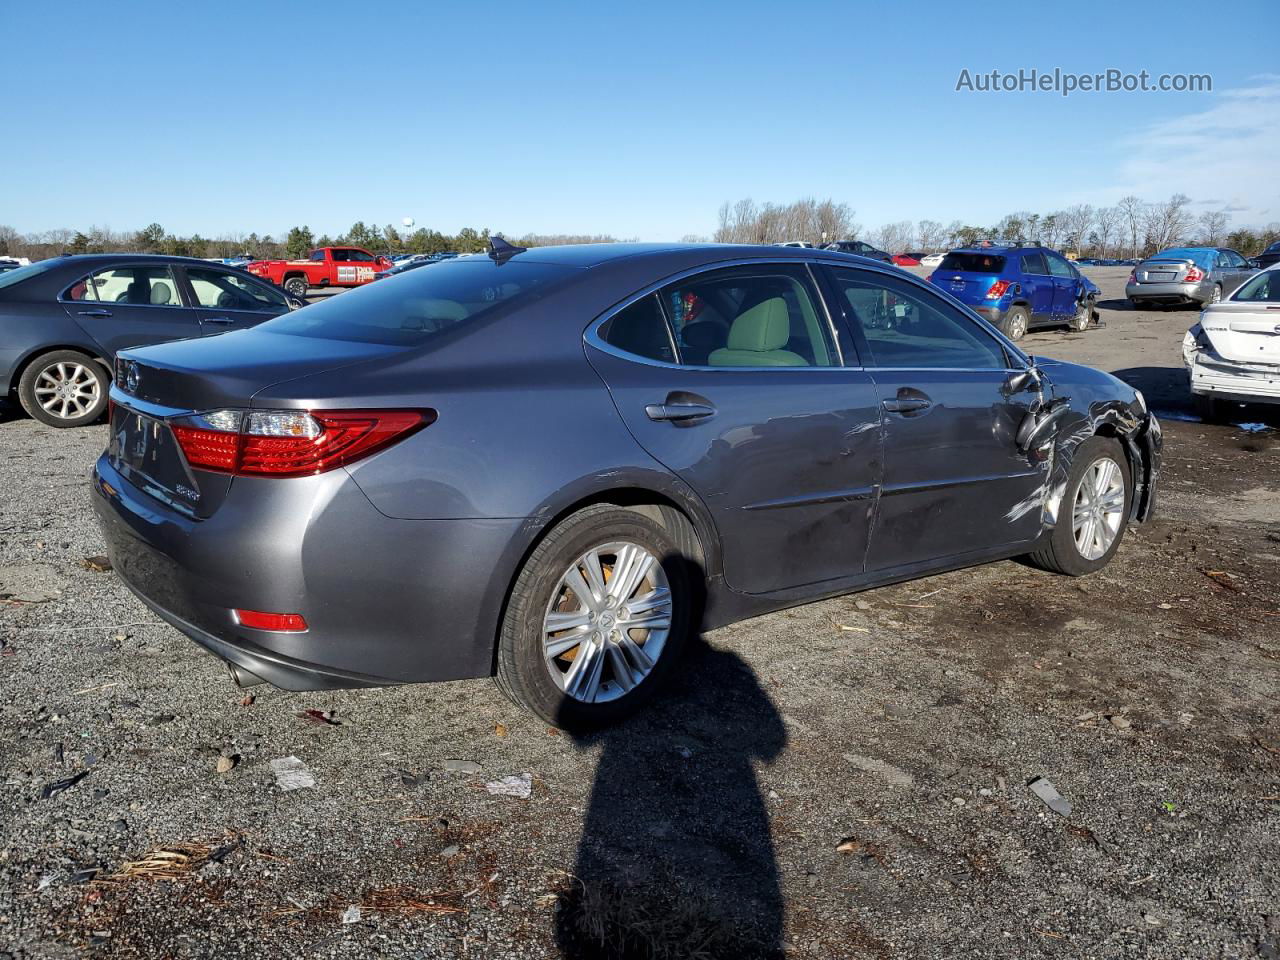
(279, 622)
(291, 443)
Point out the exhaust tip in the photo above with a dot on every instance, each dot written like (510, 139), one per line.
(242, 677)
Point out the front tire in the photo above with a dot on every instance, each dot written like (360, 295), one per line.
(64, 388)
(1211, 409)
(1084, 314)
(1093, 514)
(597, 616)
(1015, 323)
(297, 286)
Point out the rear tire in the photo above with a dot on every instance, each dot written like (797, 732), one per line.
(1015, 323)
(551, 685)
(298, 286)
(1062, 551)
(64, 388)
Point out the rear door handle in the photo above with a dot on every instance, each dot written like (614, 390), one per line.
(99, 312)
(217, 320)
(679, 412)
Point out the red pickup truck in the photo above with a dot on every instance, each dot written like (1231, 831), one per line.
(325, 267)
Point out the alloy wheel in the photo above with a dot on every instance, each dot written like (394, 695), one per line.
(607, 621)
(67, 390)
(1017, 327)
(1098, 509)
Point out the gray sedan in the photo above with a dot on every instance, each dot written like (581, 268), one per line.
(555, 465)
(1187, 276)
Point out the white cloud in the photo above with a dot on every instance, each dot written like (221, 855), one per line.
(1227, 151)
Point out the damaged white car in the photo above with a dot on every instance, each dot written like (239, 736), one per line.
(1233, 353)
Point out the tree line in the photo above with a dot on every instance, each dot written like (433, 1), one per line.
(1133, 227)
(295, 244)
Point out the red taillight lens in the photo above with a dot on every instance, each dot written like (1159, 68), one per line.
(1193, 275)
(998, 290)
(1133, 276)
(279, 622)
(292, 443)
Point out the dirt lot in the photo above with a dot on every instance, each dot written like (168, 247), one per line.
(845, 779)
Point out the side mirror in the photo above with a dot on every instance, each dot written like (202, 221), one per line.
(1028, 379)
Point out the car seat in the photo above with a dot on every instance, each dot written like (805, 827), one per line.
(161, 293)
(757, 338)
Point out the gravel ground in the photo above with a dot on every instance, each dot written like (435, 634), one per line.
(845, 779)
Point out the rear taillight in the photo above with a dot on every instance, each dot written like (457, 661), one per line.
(1133, 276)
(1194, 275)
(998, 290)
(291, 443)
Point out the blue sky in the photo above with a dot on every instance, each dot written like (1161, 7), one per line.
(637, 120)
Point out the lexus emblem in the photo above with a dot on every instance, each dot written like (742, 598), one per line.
(131, 377)
(1277, 328)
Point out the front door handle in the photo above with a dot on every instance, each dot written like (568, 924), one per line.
(98, 312)
(907, 404)
(217, 320)
(679, 412)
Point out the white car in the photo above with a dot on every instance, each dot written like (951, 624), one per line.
(932, 260)
(1233, 353)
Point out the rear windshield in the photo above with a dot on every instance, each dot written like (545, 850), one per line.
(973, 262)
(406, 309)
(10, 277)
(1201, 257)
(1261, 288)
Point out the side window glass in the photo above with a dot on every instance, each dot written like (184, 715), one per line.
(317, 254)
(137, 286)
(359, 256)
(1059, 267)
(753, 316)
(640, 329)
(1033, 263)
(217, 290)
(906, 327)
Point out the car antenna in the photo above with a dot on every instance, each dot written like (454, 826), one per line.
(500, 250)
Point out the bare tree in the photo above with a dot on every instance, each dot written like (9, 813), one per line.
(1213, 227)
(807, 219)
(1166, 224)
(1076, 223)
(1131, 213)
(1106, 220)
(931, 235)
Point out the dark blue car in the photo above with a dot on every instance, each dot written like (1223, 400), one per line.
(1018, 288)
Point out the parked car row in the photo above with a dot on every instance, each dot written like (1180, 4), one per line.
(767, 426)
(64, 320)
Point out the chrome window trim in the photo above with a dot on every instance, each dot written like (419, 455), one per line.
(592, 333)
(125, 266)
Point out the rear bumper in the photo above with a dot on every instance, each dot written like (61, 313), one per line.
(386, 601)
(1245, 383)
(1167, 293)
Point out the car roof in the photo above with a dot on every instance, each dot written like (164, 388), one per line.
(587, 255)
(89, 259)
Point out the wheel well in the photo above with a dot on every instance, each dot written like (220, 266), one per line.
(1137, 466)
(35, 355)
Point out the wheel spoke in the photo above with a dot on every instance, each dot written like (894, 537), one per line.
(656, 621)
(562, 645)
(635, 653)
(594, 571)
(580, 589)
(638, 563)
(575, 620)
(653, 600)
(621, 669)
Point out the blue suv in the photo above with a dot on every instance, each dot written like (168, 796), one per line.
(1018, 287)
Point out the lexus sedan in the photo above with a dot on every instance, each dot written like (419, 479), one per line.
(1186, 276)
(554, 465)
(63, 320)
(1233, 353)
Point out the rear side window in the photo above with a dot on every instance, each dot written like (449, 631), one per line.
(764, 315)
(220, 290)
(134, 286)
(1260, 288)
(1033, 263)
(317, 254)
(905, 327)
(641, 329)
(973, 262)
(1059, 267)
(407, 309)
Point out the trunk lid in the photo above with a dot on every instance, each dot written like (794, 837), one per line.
(968, 276)
(1163, 271)
(160, 386)
(1244, 332)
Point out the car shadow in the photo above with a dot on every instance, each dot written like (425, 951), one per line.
(676, 857)
(1166, 388)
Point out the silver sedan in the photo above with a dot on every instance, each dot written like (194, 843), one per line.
(1187, 275)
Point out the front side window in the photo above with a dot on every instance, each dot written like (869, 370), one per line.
(219, 290)
(135, 286)
(905, 327)
(359, 256)
(1235, 260)
(750, 316)
(1059, 267)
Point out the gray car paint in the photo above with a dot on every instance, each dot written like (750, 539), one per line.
(402, 561)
